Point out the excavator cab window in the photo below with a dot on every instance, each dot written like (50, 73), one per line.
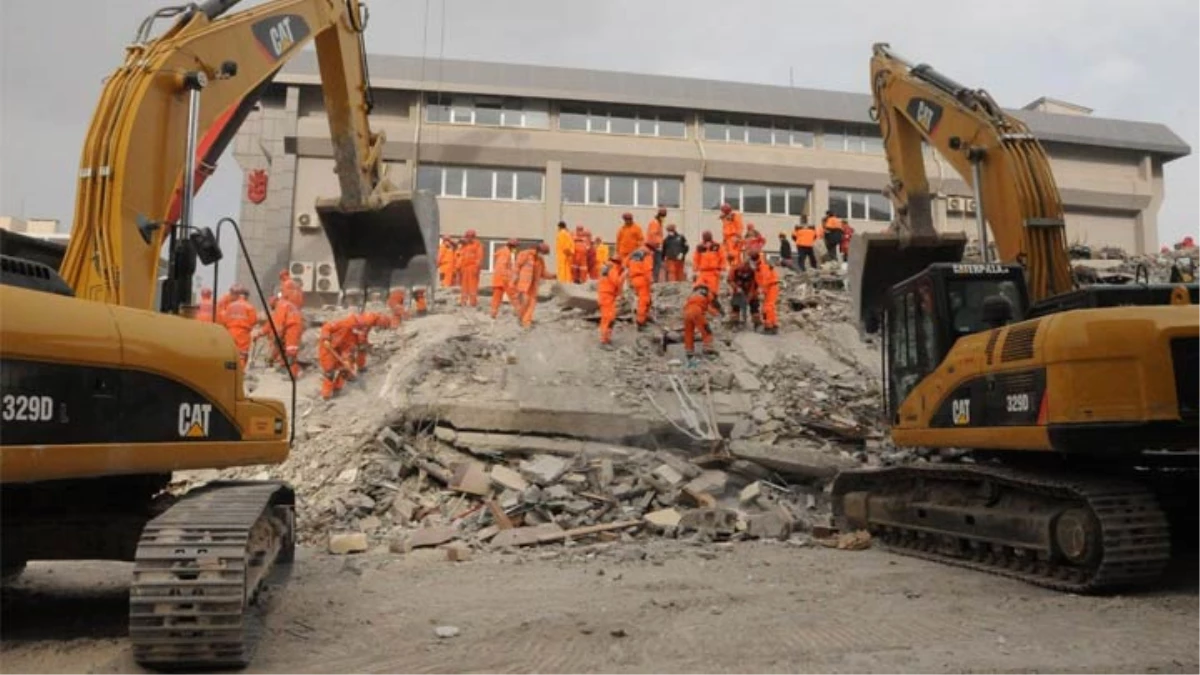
(967, 298)
(912, 349)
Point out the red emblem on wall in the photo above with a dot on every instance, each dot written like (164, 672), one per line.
(256, 186)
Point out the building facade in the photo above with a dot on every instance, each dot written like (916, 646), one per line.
(511, 150)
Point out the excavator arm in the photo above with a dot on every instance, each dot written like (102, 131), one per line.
(130, 190)
(1016, 190)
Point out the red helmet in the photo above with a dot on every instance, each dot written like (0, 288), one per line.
(543, 247)
(1188, 241)
(206, 292)
(749, 226)
(470, 234)
(627, 216)
(725, 208)
(706, 235)
(662, 211)
(513, 243)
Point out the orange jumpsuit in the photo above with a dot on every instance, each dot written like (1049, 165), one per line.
(204, 311)
(708, 263)
(337, 340)
(502, 279)
(579, 260)
(470, 263)
(654, 235)
(445, 263)
(396, 302)
(641, 276)
(731, 251)
(767, 280)
(290, 323)
(695, 318)
(601, 257)
(362, 331)
(754, 241)
(629, 238)
(564, 254)
(222, 305)
(419, 301)
(531, 269)
(240, 320)
(731, 226)
(608, 289)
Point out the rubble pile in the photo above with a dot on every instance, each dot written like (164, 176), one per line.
(1114, 265)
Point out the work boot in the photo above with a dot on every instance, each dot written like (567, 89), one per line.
(771, 330)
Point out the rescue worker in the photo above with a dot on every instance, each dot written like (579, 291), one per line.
(204, 311)
(654, 233)
(831, 227)
(847, 235)
(225, 300)
(805, 236)
(579, 259)
(419, 301)
(290, 289)
(602, 253)
(470, 264)
(731, 224)
(240, 320)
(531, 269)
(641, 276)
(503, 279)
(766, 278)
(445, 262)
(708, 263)
(335, 352)
(731, 251)
(564, 253)
(608, 290)
(744, 284)
(362, 329)
(785, 251)
(674, 253)
(699, 304)
(290, 323)
(396, 302)
(629, 236)
(593, 267)
(753, 241)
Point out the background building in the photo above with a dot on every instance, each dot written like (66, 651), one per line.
(513, 149)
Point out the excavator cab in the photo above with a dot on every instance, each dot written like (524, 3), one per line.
(880, 260)
(385, 245)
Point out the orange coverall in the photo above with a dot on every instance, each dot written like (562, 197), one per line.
(601, 257)
(502, 279)
(290, 323)
(608, 289)
(223, 304)
(531, 269)
(337, 340)
(240, 320)
(654, 235)
(362, 330)
(396, 302)
(731, 226)
(695, 310)
(445, 263)
(290, 289)
(641, 276)
(470, 262)
(419, 301)
(767, 280)
(708, 263)
(579, 260)
(731, 251)
(629, 238)
(564, 254)
(204, 311)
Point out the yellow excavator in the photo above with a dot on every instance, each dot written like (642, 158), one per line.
(1079, 404)
(105, 389)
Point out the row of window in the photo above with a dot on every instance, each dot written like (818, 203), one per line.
(534, 114)
(644, 191)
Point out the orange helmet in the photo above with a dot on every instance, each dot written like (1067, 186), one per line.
(627, 216)
(470, 234)
(284, 273)
(238, 289)
(726, 208)
(206, 292)
(706, 235)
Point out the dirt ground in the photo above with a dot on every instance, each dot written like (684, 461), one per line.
(658, 606)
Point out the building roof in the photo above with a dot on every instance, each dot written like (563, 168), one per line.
(575, 84)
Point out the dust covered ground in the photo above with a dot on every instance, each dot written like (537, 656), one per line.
(655, 606)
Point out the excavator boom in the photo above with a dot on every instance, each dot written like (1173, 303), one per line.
(992, 151)
(131, 169)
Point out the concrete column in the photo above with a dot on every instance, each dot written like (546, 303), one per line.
(552, 207)
(693, 206)
(940, 215)
(820, 200)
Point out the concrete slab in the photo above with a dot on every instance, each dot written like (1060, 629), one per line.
(792, 460)
(519, 445)
(547, 419)
(574, 296)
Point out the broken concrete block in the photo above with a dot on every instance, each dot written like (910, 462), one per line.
(709, 482)
(575, 479)
(508, 479)
(577, 506)
(774, 524)
(742, 428)
(445, 434)
(557, 492)
(431, 536)
(509, 499)
(760, 415)
(347, 477)
(348, 542)
(369, 524)
(668, 475)
(750, 493)
(604, 473)
(544, 469)
(487, 533)
(471, 478)
(792, 459)
(525, 536)
(390, 438)
(714, 522)
(663, 518)
(680, 464)
(402, 510)
(532, 495)
(577, 296)
(457, 551)
(746, 381)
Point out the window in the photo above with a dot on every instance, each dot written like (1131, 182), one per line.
(835, 139)
(757, 131)
(715, 129)
(858, 205)
(771, 199)
(621, 190)
(633, 122)
(759, 135)
(486, 111)
(480, 183)
(854, 139)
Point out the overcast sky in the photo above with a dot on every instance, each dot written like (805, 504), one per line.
(1130, 60)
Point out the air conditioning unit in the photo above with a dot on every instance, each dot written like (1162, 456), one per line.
(326, 278)
(969, 205)
(307, 223)
(302, 272)
(954, 205)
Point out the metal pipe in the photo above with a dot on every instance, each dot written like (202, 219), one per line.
(189, 165)
(977, 178)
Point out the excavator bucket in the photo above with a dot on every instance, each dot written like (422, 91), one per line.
(373, 248)
(879, 260)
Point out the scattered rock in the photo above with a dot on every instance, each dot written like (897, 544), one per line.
(446, 632)
(431, 536)
(668, 475)
(709, 482)
(663, 518)
(350, 542)
(457, 551)
(544, 469)
(471, 478)
(774, 524)
(750, 493)
(746, 381)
